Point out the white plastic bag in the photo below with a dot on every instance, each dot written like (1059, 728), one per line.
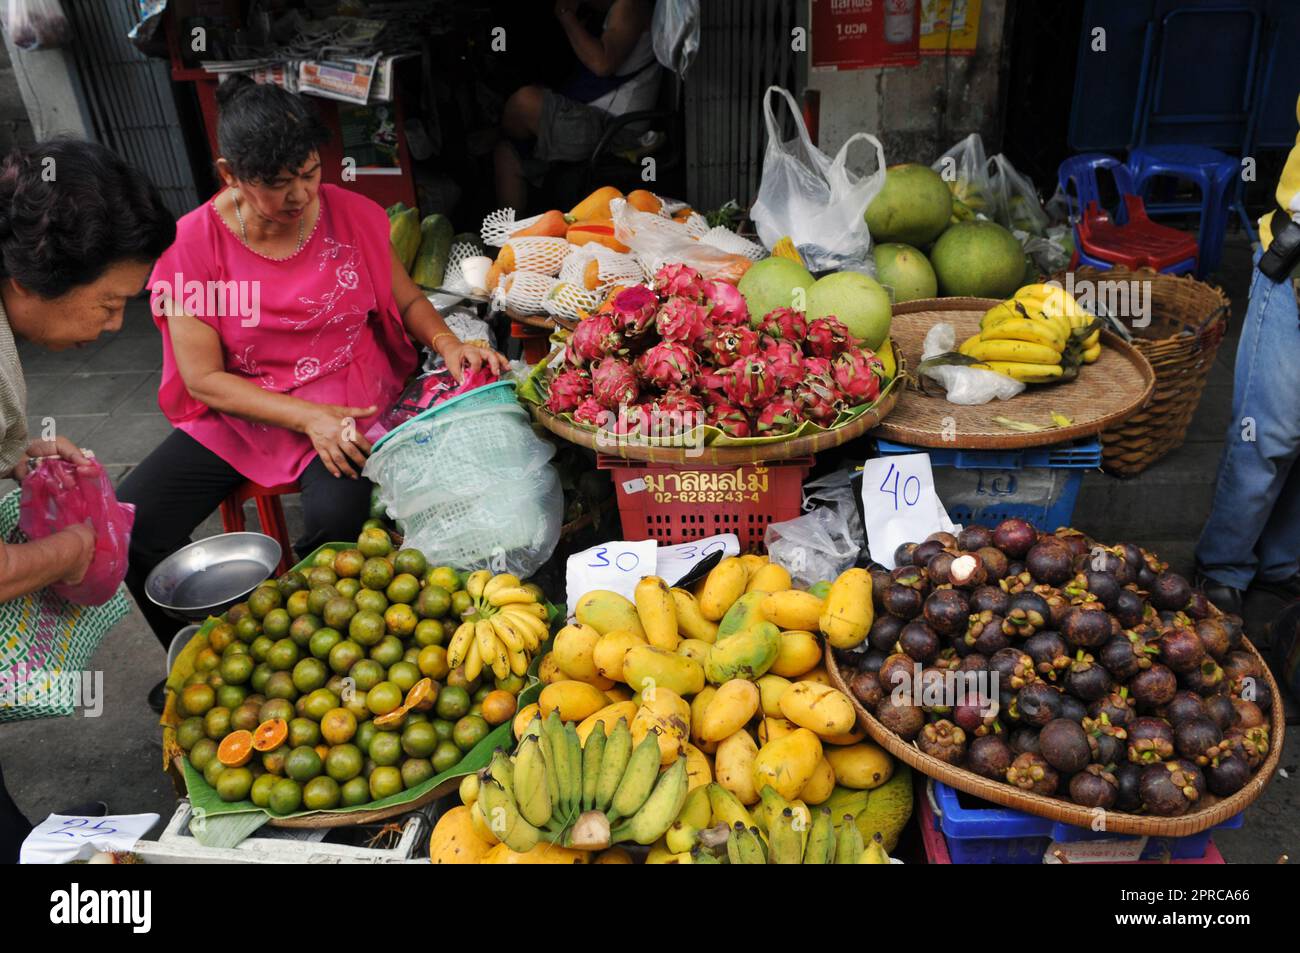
(814, 199)
(814, 547)
(657, 241)
(36, 24)
(675, 32)
(965, 168)
(1015, 200)
(965, 385)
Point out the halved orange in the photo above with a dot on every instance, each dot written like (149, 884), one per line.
(270, 734)
(422, 695)
(393, 718)
(236, 748)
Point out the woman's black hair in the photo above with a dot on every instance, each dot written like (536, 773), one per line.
(263, 129)
(70, 209)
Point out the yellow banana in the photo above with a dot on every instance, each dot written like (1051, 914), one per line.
(1092, 340)
(500, 581)
(1029, 373)
(519, 662)
(967, 344)
(493, 652)
(510, 595)
(459, 645)
(1024, 352)
(534, 609)
(507, 634)
(532, 629)
(1023, 329)
(504, 818)
(473, 661)
(531, 791)
(475, 582)
(1090, 354)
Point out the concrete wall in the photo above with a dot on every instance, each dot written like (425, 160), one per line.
(918, 112)
(15, 127)
(46, 81)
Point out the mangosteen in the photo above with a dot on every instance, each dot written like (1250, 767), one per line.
(871, 661)
(1072, 708)
(1057, 604)
(1227, 773)
(1101, 559)
(1131, 553)
(1015, 668)
(967, 571)
(1086, 627)
(926, 551)
(1145, 578)
(1086, 680)
(1250, 743)
(1094, 786)
(1105, 588)
(1106, 742)
(1235, 627)
(934, 692)
(1184, 706)
(1198, 606)
(937, 568)
(1008, 706)
(1197, 739)
(946, 611)
(1153, 687)
(1129, 777)
(1126, 655)
(1181, 649)
(1050, 654)
(1130, 609)
(865, 687)
(1172, 788)
(1016, 580)
(994, 560)
(984, 633)
(1205, 679)
(880, 581)
(1256, 690)
(974, 662)
(947, 660)
(1064, 745)
(1150, 740)
(948, 540)
(943, 740)
(1214, 636)
(1171, 591)
(896, 671)
(901, 717)
(1050, 561)
(1220, 710)
(903, 554)
(1249, 714)
(989, 757)
(1038, 703)
(974, 537)
(1014, 537)
(918, 641)
(1078, 543)
(1116, 708)
(976, 718)
(913, 577)
(1031, 772)
(884, 632)
(1027, 612)
(1024, 740)
(1239, 664)
(989, 599)
(902, 602)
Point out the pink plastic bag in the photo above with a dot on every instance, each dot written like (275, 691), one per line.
(57, 494)
(433, 388)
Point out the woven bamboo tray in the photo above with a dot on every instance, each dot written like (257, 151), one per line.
(1105, 393)
(1058, 809)
(805, 446)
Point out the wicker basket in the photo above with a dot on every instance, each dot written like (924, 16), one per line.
(1188, 320)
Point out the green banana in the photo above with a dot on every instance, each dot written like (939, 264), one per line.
(504, 819)
(531, 790)
(502, 770)
(613, 764)
(786, 843)
(638, 780)
(874, 853)
(682, 837)
(752, 847)
(696, 811)
(771, 804)
(548, 755)
(699, 855)
(737, 834)
(820, 848)
(591, 756)
(849, 846)
(575, 768)
(553, 727)
(656, 815)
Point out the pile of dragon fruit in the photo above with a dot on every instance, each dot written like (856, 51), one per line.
(660, 360)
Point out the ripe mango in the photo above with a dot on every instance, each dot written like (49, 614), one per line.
(733, 766)
(770, 689)
(800, 652)
(609, 715)
(607, 656)
(574, 700)
(769, 578)
(646, 665)
(690, 622)
(819, 708)
(745, 613)
(606, 611)
(699, 771)
(724, 584)
(730, 709)
(695, 649)
(699, 704)
(820, 785)
(861, 767)
(792, 609)
(788, 763)
(848, 612)
(573, 649)
(658, 612)
(748, 655)
(665, 712)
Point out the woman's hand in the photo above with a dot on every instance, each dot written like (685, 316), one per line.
(334, 433)
(58, 447)
(465, 358)
(84, 537)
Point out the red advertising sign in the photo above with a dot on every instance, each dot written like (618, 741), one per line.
(862, 34)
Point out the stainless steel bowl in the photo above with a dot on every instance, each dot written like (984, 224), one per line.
(207, 577)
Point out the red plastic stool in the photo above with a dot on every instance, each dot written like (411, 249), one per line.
(536, 341)
(269, 513)
(1138, 242)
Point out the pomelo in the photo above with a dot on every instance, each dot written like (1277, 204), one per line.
(770, 284)
(913, 207)
(858, 301)
(906, 271)
(980, 259)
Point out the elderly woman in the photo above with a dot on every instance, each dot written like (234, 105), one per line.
(79, 231)
(287, 326)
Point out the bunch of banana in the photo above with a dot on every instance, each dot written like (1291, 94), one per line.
(557, 790)
(1059, 305)
(505, 628)
(1040, 336)
(789, 844)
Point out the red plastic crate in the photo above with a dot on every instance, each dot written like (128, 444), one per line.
(676, 504)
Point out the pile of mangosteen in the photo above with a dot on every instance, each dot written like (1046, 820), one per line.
(1118, 685)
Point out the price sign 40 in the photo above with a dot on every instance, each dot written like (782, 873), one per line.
(908, 493)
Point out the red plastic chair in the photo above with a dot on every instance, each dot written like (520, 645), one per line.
(269, 513)
(1138, 243)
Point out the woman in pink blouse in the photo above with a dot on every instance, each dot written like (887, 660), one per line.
(288, 327)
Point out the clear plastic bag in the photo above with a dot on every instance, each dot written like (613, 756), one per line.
(965, 167)
(657, 241)
(36, 24)
(56, 494)
(964, 385)
(1015, 200)
(816, 546)
(816, 200)
(675, 31)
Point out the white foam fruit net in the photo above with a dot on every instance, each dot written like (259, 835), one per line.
(595, 268)
(728, 241)
(569, 300)
(539, 253)
(696, 225)
(523, 291)
(498, 226)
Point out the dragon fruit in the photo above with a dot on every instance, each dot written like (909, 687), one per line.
(594, 338)
(857, 374)
(785, 361)
(568, 389)
(634, 310)
(613, 383)
(786, 324)
(676, 412)
(750, 382)
(729, 418)
(679, 279)
(730, 343)
(713, 382)
(590, 412)
(668, 365)
(681, 319)
(828, 337)
(728, 303)
(819, 367)
(633, 420)
(780, 416)
(817, 398)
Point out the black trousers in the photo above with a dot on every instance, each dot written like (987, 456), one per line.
(14, 827)
(181, 482)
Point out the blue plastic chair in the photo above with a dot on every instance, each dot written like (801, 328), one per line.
(1213, 173)
(1081, 170)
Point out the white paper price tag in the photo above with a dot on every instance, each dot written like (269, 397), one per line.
(616, 566)
(899, 504)
(1095, 851)
(676, 561)
(61, 838)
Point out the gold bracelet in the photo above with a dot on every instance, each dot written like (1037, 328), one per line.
(434, 343)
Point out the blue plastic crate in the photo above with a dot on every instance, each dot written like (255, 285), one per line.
(1081, 454)
(991, 834)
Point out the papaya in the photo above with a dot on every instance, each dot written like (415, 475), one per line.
(435, 248)
(404, 233)
(550, 224)
(600, 230)
(505, 259)
(644, 201)
(595, 205)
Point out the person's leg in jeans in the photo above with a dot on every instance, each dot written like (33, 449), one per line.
(1279, 545)
(174, 490)
(14, 826)
(333, 508)
(1246, 523)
